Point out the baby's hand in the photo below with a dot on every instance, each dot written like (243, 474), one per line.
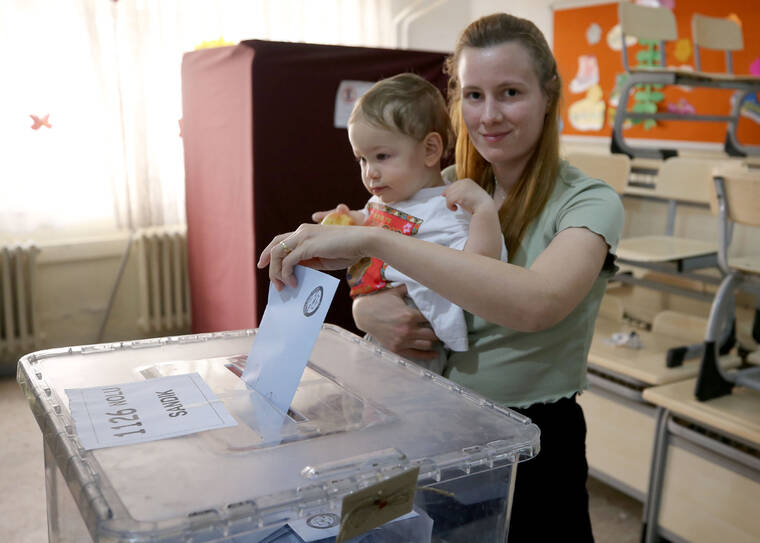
(469, 195)
(357, 217)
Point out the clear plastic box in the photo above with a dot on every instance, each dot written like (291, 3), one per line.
(360, 415)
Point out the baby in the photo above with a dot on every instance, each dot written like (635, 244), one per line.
(399, 131)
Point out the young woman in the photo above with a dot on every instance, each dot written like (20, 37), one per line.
(530, 320)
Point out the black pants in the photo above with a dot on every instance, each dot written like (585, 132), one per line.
(550, 500)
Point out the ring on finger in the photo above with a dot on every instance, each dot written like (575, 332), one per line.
(285, 248)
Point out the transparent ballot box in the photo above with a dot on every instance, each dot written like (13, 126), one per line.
(361, 416)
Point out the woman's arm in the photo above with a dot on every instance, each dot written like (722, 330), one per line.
(394, 324)
(522, 299)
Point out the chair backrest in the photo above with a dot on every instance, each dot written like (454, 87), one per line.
(742, 190)
(686, 179)
(646, 23)
(613, 169)
(716, 33)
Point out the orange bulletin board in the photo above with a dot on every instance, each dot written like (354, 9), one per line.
(582, 32)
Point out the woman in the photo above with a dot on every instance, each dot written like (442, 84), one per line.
(530, 320)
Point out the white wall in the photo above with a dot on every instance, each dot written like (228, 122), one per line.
(438, 28)
(74, 284)
(538, 11)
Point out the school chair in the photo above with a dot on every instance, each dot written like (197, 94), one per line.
(613, 169)
(679, 181)
(658, 24)
(723, 34)
(736, 201)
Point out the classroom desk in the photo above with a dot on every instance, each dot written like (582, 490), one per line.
(705, 479)
(692, 253)
(645, 366)
(620, 422)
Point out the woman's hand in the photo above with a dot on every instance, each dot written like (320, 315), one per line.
(395, 325)
(469, 195)
(317, 246)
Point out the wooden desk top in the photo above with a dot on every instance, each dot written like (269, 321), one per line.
(748, 263)
(736, 414)
(663, 248)
(646, 364)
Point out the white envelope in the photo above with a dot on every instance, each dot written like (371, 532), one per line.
(287, 334)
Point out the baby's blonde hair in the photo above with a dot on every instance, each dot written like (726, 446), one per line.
(406, 103)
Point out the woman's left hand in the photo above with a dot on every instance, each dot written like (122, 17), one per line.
(317, 246)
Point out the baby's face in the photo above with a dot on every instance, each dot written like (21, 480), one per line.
(392, 164)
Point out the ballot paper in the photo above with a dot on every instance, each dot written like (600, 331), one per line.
(128, 413)
(286, 336)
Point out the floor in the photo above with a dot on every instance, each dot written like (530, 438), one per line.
(615, 517)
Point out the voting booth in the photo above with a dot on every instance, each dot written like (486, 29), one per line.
(265, 146)
(366, 431)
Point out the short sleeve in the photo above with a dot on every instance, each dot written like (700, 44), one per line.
(595, 206)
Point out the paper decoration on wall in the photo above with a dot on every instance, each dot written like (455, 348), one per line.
(735, 18)
(670, 4)
(39, 122)
(682, 107)
(593, 34)
(683, 50)
(645, 101)
(649, 3)
(615, 39)
(751, 108)
(179, 122)
(754, 68)
(587, 114)
(587, 76)
(208, 44)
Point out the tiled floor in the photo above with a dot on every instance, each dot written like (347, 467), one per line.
(615, 517)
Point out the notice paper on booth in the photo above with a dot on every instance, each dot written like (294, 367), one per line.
(128, 413)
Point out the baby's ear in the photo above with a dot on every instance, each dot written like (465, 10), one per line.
(433, 144)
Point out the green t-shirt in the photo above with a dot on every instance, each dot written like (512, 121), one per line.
(519, 369)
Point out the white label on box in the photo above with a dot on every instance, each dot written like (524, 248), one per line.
(348, 93)
(128, 413)
(286, 336)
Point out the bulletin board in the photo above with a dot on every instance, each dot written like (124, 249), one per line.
(587, 49)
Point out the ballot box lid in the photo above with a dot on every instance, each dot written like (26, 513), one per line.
(360, 414)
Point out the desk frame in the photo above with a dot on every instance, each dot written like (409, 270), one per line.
(629, 398)
(732, 146)
(668, 432)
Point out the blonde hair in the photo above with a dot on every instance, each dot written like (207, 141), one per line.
(528, 196)
(406, 103)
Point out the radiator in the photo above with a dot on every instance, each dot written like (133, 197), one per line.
(19, 330)
(163, 279)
